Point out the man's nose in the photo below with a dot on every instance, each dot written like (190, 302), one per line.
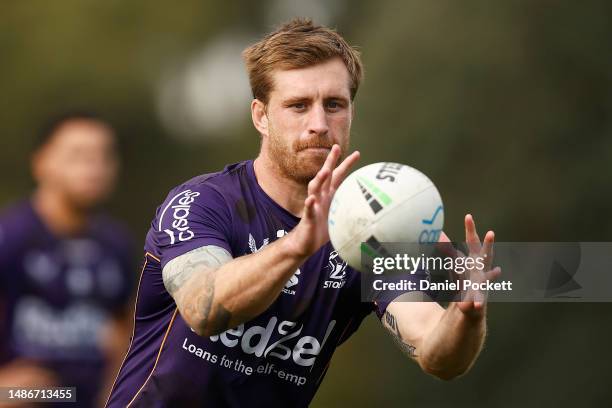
(317, 121)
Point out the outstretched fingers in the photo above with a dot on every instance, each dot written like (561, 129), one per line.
(328, 178)
(487, 248)
(330, 163)
(309, 207)
(315, 185)
(343, 169)
(471, 236)
(322, 180)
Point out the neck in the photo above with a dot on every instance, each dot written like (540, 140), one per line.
(287, 192)
(57, 213)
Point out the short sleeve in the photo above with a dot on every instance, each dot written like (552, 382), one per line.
(191, 217)
(382, 299)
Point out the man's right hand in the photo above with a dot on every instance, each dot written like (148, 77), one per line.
(311, 233)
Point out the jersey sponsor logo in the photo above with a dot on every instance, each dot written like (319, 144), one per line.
(180, 206)
(294, 280)
(257, 340)
(336, 270)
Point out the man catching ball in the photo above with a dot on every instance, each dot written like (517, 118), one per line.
(233, 306)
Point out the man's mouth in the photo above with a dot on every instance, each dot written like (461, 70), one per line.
(316, 149)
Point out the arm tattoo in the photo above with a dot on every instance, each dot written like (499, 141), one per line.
(203, 303)
(179, 270)
(394, 330)
(205, 261)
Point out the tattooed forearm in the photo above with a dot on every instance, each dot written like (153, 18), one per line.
(196, 300)
(216, 320)
(391, 322)
(181, 268)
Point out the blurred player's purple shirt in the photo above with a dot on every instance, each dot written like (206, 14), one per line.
(56, 295)
(277, 359)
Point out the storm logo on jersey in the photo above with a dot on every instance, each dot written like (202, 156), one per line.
(336, 270)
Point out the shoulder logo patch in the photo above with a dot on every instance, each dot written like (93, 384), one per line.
(180, 206)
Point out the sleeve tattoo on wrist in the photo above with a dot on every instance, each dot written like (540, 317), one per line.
(395, 333)
(204, 261)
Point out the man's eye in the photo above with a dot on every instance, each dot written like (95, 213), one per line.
(299, 106)
(334, 105)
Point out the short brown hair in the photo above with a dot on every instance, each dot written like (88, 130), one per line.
(298, 44)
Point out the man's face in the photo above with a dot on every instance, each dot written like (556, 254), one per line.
(309, 110)
(79, 162)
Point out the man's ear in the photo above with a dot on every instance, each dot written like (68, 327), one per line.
(259, 116)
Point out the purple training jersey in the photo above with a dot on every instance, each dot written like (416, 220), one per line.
(57, 294)
(278, 358)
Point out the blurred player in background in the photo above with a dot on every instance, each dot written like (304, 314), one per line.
(235, 306)
(66, 271)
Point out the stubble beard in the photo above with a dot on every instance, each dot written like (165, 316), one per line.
(292, 163)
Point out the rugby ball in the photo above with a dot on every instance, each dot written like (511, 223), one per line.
(383, 203)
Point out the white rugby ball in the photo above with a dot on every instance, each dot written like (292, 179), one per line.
(384, 202)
